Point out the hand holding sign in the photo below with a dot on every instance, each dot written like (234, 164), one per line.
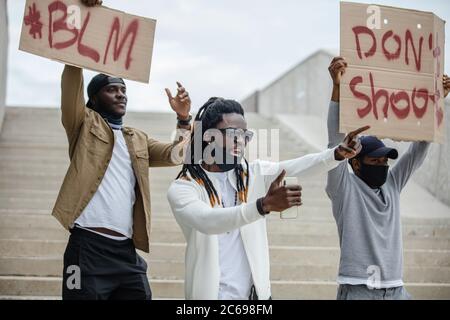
(337, 69)
(91, 3)
(351, 146)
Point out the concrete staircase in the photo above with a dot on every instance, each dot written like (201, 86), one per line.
(304, 252)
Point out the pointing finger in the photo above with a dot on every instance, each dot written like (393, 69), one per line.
(358, 131)
(169, 94)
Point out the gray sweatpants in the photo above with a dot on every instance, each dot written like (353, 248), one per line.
(362, 292)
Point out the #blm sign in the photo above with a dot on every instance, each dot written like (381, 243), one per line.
(394, 77)
(96, 38)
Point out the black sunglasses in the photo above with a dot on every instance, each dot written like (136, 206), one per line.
(236, 133)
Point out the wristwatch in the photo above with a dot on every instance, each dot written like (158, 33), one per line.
(184, 122)
(259, 206)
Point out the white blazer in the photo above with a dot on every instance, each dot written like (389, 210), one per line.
(201, 224)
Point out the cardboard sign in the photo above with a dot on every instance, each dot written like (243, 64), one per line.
(394, 77)
(96, 38)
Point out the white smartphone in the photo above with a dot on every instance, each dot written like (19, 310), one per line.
(291, 213)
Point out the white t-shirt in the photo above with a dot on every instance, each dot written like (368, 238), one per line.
(235, 273)
(111, 206)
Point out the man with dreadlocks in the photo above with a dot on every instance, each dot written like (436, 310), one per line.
(220, 201)
(105, 198)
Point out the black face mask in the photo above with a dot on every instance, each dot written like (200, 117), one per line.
(230, 161)
(111, 118)
(373, 176)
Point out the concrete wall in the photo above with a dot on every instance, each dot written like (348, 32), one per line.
(305, 91)
(3, 57)
(250, 104)
(434, 174)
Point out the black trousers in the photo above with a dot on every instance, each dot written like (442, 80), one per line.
(99, 268)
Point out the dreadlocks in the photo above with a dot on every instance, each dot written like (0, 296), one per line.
(210, 114)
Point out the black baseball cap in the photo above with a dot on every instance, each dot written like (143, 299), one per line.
(375, 148)
(98, 82)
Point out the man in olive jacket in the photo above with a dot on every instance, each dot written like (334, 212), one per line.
(105, 198)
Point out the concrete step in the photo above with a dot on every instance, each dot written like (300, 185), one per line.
(161, 213)
(23, 183)
(6, 144)
(145, 119)
(36, 192)
(42, 227)
(15, 144)
(162, 131)
(158, 193)
(160, 207)
(52, 286)
(411, 227)
(46, 170)
(52, 266)
(431, 227)
(160, 234)
(51, 174)
(20, 158)
(9, 204)
(34, 151)
(175, 251)
(4, 297)
(54, 131)
(312, 214)
(59, 152)
(20, 189)
(53, 112)
(49, 286)
(304, 253)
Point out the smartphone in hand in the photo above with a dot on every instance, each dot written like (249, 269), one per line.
(291, 213)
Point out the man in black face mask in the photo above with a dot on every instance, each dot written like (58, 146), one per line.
(366, 207)
(371, 164)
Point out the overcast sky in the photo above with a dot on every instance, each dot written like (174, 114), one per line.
(223, 48)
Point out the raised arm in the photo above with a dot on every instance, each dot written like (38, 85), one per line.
(72, 96)
(409, 163)
(337, 178)
(336, 69)
(170, 154)
(72, 101)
